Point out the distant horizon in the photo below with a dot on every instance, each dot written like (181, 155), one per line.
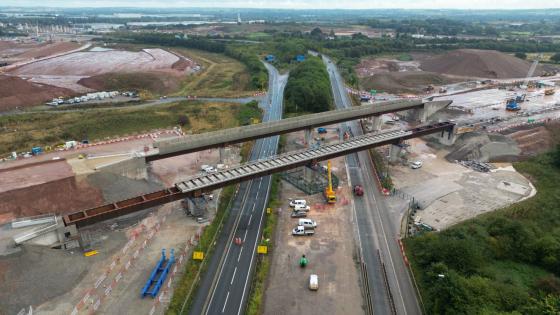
(474, 5)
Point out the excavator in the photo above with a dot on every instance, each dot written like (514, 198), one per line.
(330, 194)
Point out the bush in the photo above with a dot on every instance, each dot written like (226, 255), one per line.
(521, 55)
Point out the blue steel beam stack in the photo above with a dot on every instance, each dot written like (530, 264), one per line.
(158, 275)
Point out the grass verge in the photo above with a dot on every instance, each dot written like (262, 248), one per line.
(187, 285)
(22, 132)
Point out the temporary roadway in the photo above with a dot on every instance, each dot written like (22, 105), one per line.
(390, 286)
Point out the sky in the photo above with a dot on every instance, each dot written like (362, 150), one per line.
(296, 4)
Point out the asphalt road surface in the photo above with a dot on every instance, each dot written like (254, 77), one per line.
(224, 288)
(377, 232)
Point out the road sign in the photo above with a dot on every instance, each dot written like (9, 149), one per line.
(198, 255)
(262, 249)
(268, 210)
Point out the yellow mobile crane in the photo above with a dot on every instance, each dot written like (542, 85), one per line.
(330, 194)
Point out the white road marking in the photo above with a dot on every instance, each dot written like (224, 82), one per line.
(225, 303)
(253, 209)
(239, 257)
(250, 218)
(245, 236)
(233, 277)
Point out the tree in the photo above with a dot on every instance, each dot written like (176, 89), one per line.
(183, 120)
(556, 156)
(555, 57)
(521, 55)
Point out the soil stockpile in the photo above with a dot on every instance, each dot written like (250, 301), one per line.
(404, 82)
(154, 82)
(17, 92)
(479, 63)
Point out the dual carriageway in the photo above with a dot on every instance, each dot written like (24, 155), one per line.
(223, 288)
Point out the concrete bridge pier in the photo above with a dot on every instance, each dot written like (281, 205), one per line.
(307, 138)
(395, 153)
(376, 123)
(222, 154)
(448, 137)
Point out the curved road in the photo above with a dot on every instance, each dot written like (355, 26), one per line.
(225, 286)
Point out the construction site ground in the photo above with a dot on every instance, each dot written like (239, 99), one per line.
(449, 193)
(54, 281)
(331, 254)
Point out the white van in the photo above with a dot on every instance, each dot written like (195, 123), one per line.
(307, 223)
(300, 202)
(301, 208)
(313, 282)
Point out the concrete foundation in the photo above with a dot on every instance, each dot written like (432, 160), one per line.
(447, 137)
(423, 114)
(134, 168)
(222, 155)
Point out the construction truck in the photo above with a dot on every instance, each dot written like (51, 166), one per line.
(330, 194)
(512, 106)
(520, 98)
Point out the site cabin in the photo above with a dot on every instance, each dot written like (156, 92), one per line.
(307, 223)
(313, 282)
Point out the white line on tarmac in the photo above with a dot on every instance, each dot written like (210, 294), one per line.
(244, 236)
(225, 303)
(239, 257)
(250, 218)
(233, 277)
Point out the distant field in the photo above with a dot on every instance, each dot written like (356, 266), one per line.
(22, 132)
(221, 76)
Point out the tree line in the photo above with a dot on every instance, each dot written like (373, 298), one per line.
(505, 262)
(308, 88)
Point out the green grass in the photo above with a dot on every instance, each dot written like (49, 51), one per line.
(258, 35)
(22, 132)
(502, 262)
(221, 76)
(404, 57)
(188, 282)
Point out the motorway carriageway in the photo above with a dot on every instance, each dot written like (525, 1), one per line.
(224, 287)
(376, 231)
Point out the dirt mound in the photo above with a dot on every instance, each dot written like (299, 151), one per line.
(404, 82)
(59, 196)
(485, 148)
(89, 63)
(479, 63)
(17, 92)
(153, 82)
(49, 50)
(533, 141)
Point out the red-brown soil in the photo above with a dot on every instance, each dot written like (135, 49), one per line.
(17, 92)
(59, 196)
(479, 63)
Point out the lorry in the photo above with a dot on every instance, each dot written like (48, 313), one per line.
(302, 231)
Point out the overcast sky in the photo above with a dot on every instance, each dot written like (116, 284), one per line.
(298, 4)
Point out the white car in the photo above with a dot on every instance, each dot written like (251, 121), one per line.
(300, 202)
(301, 208)
(416, 165)
(307, 223)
